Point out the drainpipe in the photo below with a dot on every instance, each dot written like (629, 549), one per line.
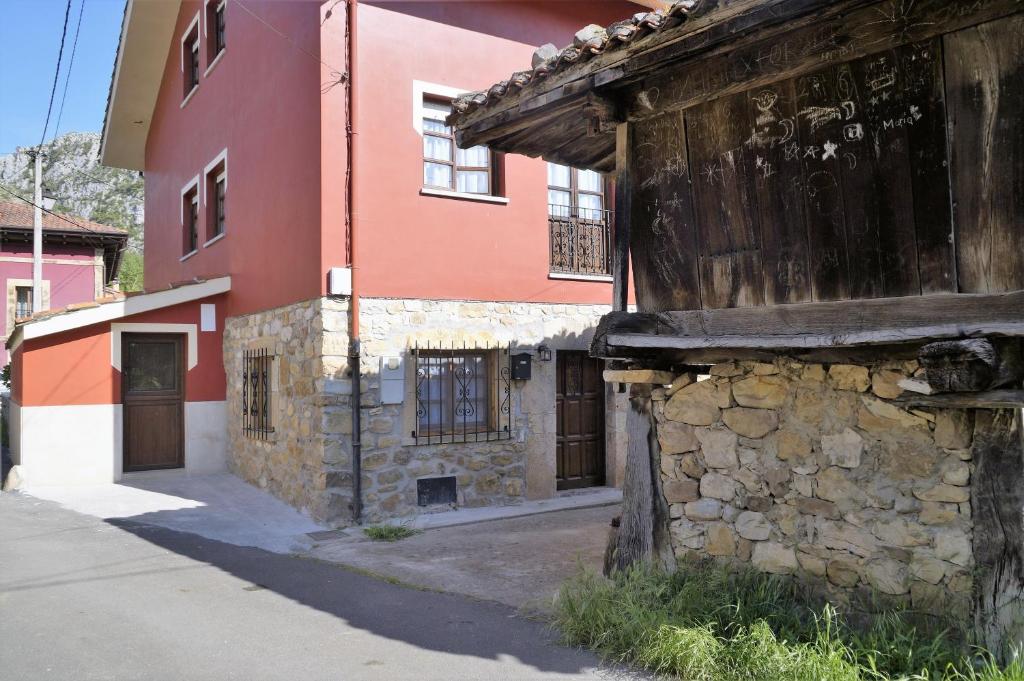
(352, 137)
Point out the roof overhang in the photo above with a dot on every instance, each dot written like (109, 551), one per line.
(111, 243)
(106, 312)
(146, 32)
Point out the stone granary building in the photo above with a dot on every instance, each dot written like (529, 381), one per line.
(821, 207)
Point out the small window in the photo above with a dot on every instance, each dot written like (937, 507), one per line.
(462, 395)
(190, 213)
(216, 191)
(215, 43)
(575, 193)
(257, 368)
(190, 59)
(23, 302)
(469, 171)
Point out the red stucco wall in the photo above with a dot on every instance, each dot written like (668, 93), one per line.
(261, 102)
(274, 108)
(74, 367)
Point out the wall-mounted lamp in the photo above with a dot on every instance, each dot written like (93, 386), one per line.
(543, 353)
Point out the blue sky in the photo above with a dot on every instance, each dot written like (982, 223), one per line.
(29, 40)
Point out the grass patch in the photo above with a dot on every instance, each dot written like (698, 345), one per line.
(389, 532)
(706, 623)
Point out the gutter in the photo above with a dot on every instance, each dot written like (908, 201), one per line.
(351, 190)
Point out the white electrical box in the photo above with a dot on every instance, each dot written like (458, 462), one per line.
(340, 280)
(392, 380)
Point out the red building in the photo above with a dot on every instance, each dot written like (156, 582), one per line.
(80, 261)
(300, 173)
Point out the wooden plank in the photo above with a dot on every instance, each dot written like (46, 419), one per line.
(991, 399)
(825, 211)
(778, 188)
(835, 38)
(728, 226)
(985, 98)
(663, 235)
(921, 66)
(623, 213)
(881, 180)
(818, 325)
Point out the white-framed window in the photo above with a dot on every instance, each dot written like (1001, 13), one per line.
(215, 197)
(215, 30)
(445, 166)
(190, 218)
(190, 59)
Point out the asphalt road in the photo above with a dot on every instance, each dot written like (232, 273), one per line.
(81, 598)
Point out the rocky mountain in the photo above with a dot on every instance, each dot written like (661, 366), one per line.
(72, 174)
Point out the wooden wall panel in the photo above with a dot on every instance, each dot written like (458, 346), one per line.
(778, 188)
(663, 240)
(985, 97)
(728, 224)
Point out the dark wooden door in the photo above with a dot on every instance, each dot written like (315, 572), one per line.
(580, 413)
(152, 392)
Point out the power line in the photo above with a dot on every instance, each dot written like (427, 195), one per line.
(56, 75)
(337, 75)
(67, 77)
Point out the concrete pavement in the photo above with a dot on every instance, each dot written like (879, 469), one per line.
(83, 598)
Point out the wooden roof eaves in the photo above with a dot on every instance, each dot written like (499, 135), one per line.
(617, 68)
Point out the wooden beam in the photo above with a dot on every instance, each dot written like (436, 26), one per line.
(623, 209)
(991, 399)
(972, 365)
(813, 325)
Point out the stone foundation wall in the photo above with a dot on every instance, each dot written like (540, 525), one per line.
(812, 470)
(305, 461)
(494, 473)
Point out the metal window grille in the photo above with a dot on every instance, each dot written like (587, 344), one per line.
(580, 240)
(463, 394)
(256, 368)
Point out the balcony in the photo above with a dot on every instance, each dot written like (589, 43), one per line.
(580, 240)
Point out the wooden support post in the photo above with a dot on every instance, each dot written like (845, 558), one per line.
(643, 534)
(997, 503)
(623, 208)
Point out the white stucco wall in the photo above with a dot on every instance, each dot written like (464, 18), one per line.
(82, 444)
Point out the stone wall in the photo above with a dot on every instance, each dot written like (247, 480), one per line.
(305, 460)
(494, 473)
(811, 469)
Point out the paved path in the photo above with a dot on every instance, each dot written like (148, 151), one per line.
(521, 562)
(83, 598)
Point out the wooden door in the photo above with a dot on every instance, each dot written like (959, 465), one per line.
(152, 392)
(580, 413)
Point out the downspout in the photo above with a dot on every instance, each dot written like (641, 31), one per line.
(352, 215)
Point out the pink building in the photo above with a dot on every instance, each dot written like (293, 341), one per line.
(379, 324)
(80, 259)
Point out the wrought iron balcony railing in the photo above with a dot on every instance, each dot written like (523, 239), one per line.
(580, 240)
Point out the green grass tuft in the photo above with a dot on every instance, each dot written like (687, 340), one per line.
(708, 623)
(389, 532)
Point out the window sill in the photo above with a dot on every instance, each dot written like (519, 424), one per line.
(216, 60)
(188, 255)
(215, 239)
(188, 97)
(581, 277)
(485, 437)
(465, 196)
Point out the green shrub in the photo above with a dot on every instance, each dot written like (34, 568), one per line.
(389, 532)
(705, 622)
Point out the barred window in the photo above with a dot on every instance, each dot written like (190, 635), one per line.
(462, 395)
(256, 393)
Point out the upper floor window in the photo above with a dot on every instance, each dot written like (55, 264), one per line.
(190, 219)
(23, 302)
(215, 44)
(575, 193)
(190, 58)
(216, 193)
(468, 171)
(578, 222)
